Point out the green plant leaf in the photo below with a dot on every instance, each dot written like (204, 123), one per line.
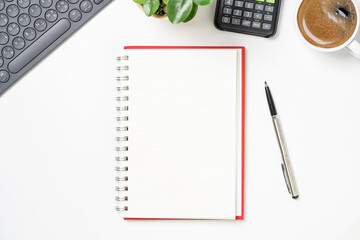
(179, 10)
(192, 13)
(166, 1)
(139, 1)
(203, 2)
(150, 7)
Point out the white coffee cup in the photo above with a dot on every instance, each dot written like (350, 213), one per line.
(351, 44)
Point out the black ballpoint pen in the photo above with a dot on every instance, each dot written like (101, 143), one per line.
(285, 165)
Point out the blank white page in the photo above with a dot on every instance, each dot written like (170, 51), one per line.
(182, 146)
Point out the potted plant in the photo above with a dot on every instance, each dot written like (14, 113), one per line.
(176, 11)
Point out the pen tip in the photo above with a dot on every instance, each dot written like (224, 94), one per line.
(266, 84)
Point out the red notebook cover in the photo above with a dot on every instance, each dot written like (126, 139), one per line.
(242, 116)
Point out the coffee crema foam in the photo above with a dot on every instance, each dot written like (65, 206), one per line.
(327, 23)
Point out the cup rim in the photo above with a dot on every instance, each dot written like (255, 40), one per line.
(342, 46)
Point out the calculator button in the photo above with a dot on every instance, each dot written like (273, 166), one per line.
(239, 3)
(269, 8)
(73, 1)
(1, 61)
(23, 3)
(227, 10)
(246, 23)
(249, 5)
(237, 12)
(260, 0)
(225, 19)
(4, 76)
(270, 1)
(3, 20)
(46, 3)
(256, 24)
(229, 2)
(51, 15)
(2, 4)
(35, 10)
(8, 52)
(62, 6)
(235, 21)
(268, 17)
(258, 16)
(12, 10)
(259, 7)
(29, 34)
(13, 29)
(40, 24)
(75, 15)
(98, 1)
(86, 6)
(18, 43)
(247, 14)
(24, 19)
(4, 38)
(266, 26)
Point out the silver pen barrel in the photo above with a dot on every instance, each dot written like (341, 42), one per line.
(286, 165)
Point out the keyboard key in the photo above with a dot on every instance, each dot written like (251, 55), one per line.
(29, 34)
(227, 10)
(12, 10)
(3, 20)
(239, 4)
(256, 24)
(246, 23)
(229, 2)
(247, 14)
(266, 26)
(269, 8)
(1, 61)
(23, 3)
(8, 52)
(39, 45)
(86, 6)
(51, 15)
(35, 10)
(13, 29)
(18, 43)
(258, 16)
(268, 17)
(249, 5)
(259, 7)
(24, 19)
(2, 4)
(4, 76)
(225, 19)
(40, 24)
(237, 12)
(75, 15)
(270, 1)
(62, 6)
(235, 21)
(4, 38)
(46, 3)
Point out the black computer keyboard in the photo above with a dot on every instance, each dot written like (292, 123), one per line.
(31, 29)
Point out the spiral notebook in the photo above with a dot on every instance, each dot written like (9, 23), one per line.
(180, 133)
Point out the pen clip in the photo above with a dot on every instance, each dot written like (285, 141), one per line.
(286, 178)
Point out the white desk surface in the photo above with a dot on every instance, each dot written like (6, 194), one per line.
(57, 137)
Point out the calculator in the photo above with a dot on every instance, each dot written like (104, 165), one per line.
(254, 17)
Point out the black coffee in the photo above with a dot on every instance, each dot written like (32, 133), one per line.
(327, 23)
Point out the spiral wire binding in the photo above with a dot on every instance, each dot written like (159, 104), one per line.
(122, 129)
